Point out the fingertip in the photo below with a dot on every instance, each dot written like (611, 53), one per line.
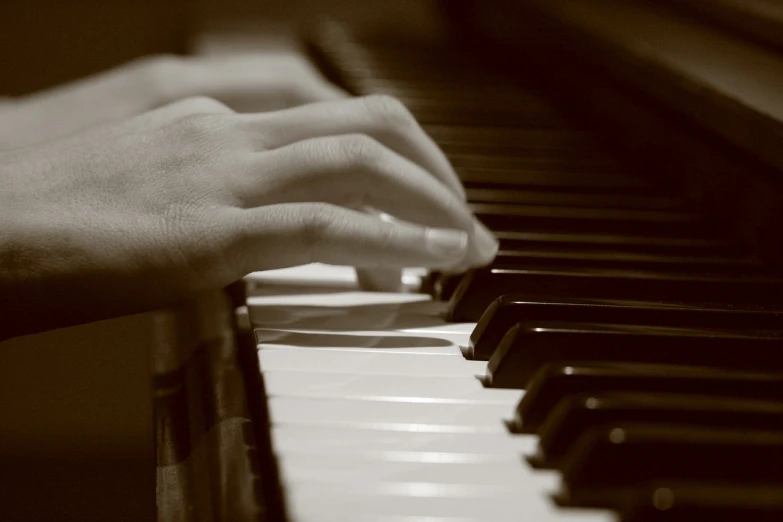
(447, 244)
(484, 246)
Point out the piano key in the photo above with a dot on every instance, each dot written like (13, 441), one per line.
(544, 179)
(442, 343)
(351, 311)
(511, 195)
(580, 242)
(317, 275)
(413, 388)
(526, 348)
(472, 447)
(331, 469)
(555, 382)
(480, 287)
(533, 259)
(611, 460)
(388, 415)
(508, 310)
(577, 414)
(688, 502)
(502, 141)
(560, 171)
(588, 220)
(363, 362)
(417, 502)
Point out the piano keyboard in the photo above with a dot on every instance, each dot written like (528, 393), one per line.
(630, 372)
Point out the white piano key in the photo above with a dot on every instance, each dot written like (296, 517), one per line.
(312, 505)
(352, 311)
(371, 317)
(419, 504)
(399, 342)
(289, 439)
(319, 274)
(386, 387)
(403, 416)
(359, 471)
(273, 358)
(354, 301)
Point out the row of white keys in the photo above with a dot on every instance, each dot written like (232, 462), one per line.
(377, 416)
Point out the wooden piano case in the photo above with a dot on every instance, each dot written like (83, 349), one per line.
(212, 441)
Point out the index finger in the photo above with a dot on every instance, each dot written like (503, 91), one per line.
(381, 117)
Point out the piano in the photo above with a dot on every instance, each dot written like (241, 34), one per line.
(621, 359)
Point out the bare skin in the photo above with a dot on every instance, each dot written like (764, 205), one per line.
(143, 212)
(245, 82)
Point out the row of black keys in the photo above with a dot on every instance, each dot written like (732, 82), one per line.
(657, 399)
(634, 402)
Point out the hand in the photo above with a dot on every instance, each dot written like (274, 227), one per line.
(141, 214)
(246, 82)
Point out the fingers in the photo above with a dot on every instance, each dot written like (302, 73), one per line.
(356, 172)
(278, 236)
(381, 117)
(257, 82)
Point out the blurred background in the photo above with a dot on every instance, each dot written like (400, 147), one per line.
(47, 42)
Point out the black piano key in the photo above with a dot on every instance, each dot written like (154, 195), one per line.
(544, 178)
(692, 502)
(549, 171)
(581, 242)
(480, 287)
(609, 461)
(508, 310)
(577, 414)
(556, 382)
(646, 223)
(528, 347)
(509, 142)
(517, 196)
(552, 260)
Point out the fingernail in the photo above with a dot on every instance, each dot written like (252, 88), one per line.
(447, 243)
(485, 246)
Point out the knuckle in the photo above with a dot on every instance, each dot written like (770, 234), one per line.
(360, 150)
(203, 104)
(316, 220)
(201, 133)
(198, 125)
(390, 111)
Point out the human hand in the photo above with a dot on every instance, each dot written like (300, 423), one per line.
(250, 82)
(143, 213)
